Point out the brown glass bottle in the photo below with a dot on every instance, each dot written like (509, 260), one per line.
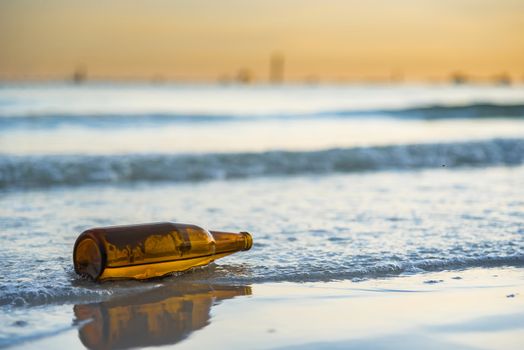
(151, 250)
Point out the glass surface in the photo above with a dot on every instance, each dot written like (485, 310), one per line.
(151, 250)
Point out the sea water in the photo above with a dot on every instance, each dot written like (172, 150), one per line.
(334, 182)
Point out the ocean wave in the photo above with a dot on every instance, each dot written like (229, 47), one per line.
(77, 290)
(470, 111)
(97, 120)
(73, 170)
(386, 269)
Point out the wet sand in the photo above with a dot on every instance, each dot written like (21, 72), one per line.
(472, 309)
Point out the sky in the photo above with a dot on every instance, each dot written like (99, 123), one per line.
(209, 39)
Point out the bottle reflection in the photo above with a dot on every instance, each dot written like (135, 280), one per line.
(162, 316)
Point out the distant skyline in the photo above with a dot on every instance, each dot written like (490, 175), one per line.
(209, 40)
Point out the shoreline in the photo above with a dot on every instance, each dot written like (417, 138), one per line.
(469, 309)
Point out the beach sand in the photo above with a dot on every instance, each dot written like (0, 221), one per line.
(470, 309)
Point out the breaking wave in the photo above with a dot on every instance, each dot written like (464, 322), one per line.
(73, 170)
(434, 112)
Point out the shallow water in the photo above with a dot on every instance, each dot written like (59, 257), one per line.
(335, 183)
(304, 228)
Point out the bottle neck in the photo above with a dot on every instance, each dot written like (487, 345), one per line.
(231, 242)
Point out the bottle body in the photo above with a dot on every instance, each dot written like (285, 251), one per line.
(151, 250)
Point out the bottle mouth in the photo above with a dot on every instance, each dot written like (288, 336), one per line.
(88, 258)
(248, 240)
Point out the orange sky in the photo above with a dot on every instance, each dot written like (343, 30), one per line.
(206, 39)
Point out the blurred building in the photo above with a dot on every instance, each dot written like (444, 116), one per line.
(459, 78)
(79, 75)
(244, 76)
(276, 68)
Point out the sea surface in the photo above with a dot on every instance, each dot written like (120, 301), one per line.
(334, 182)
